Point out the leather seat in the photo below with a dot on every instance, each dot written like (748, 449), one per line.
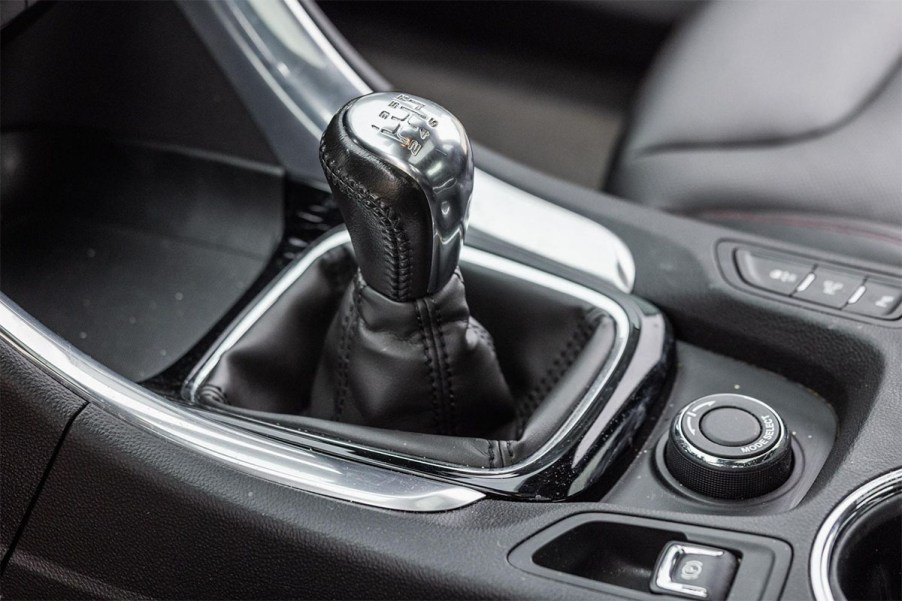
(778, 118)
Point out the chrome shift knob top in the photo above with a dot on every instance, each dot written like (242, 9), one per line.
(401, 170)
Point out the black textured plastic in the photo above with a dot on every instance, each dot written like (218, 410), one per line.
(729, 483)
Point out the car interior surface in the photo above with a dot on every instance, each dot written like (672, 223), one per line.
(408, 299)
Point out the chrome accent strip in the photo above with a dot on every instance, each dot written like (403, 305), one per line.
(247, 452)
(322, 42)
(849, 511)
(468, 255)
(803, 285)
(546, 229)
(308, 75)
(856, 296)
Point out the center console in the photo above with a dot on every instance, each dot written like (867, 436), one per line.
(425, 343)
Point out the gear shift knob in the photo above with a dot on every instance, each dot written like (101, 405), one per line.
(401, 170)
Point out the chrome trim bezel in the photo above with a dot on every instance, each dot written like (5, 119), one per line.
(626, 333)
(679, 438)
(848, 512)
(244, 451)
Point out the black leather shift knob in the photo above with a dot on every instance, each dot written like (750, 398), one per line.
(401, 170)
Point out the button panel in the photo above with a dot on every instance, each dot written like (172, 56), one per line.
(849, 290)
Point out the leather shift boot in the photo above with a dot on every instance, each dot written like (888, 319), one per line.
(423, 365)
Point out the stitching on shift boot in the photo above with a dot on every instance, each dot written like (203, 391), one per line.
(339, 269)
(436, 405)
(349, 324)
(438, 365)
(483, 335)
(395, 244)
(446, 371)
(562, 362)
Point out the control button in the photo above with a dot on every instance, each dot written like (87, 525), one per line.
(877, 300)
(830, 288)
(694, 571)
(771, 273)
(730, 426)
(729, 446)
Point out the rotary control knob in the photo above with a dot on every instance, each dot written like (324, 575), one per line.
(729, 446)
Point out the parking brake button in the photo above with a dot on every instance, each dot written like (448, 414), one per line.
(694, 571)
(771, 273)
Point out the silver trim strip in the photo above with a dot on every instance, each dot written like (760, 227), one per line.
(856, 296)
(322, 42)
(468, 255)
(522, 219)
(805, 283)
(849, 511)
(247, 452)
